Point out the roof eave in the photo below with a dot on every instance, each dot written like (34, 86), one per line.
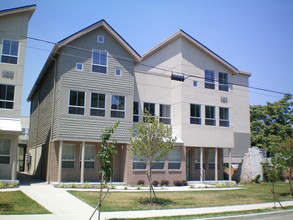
(28, 8)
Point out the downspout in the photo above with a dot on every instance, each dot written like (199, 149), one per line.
(52, 121)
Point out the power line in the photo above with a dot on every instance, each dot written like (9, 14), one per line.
(142, 64)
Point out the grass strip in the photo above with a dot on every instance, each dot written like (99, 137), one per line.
(16, 202)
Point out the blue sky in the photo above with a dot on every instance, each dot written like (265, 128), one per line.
(253, 35)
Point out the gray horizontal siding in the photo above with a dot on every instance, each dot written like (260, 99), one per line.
(89, 129)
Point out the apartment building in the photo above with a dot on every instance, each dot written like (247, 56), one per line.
(94, 78)
(13, 31)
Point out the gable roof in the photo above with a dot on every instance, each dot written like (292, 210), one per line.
(28, 8)
(67, 40)
(184, 35)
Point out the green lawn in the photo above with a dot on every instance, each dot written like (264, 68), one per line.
(121, 201)
(16, 202)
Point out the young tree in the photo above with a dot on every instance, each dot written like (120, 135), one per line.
(150, 141)
(282, 155)
(271, 124)
(106, 153)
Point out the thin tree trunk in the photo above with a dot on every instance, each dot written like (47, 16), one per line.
(290, 181)
(150, 182)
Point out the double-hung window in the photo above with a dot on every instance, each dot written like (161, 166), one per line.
(138, 164)
(224, 117)
(135, 111)
(223, 81)
(6, 96)
(99, 62)
(165, 114)
(149, 108)
(209, 79)
(159, 164)
(98, 104)
(195, 114)
(5, 151)
(76, 102)
(89, 156)
(117, 106)
(210, 115)
(68, 155)
(9, 51)
(174, 159)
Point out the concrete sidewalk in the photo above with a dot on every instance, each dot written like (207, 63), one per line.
(65, 206)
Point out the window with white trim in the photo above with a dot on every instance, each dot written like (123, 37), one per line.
(118, 72)
(138, 164)
(150, 108)
(135, 111)
(100, 39)
(118, 106)
(195, 114)
(6, 96)
(223, 81)
(98, 103)
(9, 51)
(5, 151)
(224, 117)
(76, 102)
(99, 61)
(89, 156)
(209, 79)
(212, 158)
(174, 158)
(158, 165)
(195, 83)
(165, 114)
(68, 155)
(210, 115)
(79, 66)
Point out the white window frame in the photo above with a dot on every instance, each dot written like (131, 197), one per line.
(195, 117)
(71, 159)
(119, 70)
(6, 155)
(9, 55)
(174, 161)
(100, 37)
(224, 86)
(6, 100)
(76, 106)
(208, 118)
(98, 64)
(164, 119)
(224, 120)
(90, 160)
(136, 115)
(209, 83)
(78, 68)
(118, 110)
(98, 108)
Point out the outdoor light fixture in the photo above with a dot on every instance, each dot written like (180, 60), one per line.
(177, 77)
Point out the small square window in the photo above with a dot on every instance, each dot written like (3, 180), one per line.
(195, 83)
(100, 39)
(118, 72)
(79, 66)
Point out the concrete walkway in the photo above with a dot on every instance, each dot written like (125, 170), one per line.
(65, 206)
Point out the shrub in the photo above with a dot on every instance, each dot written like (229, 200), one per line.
(2, 185)
(164, 183)
(232, 184)
(192, 186)
(111, 186)
(73, 185)
(180, 183)
(256, 179)
(221, 184)
(138, 187)
(184, 183)
(155, 183)
(126, 187)
(86, 185)
(140, 182)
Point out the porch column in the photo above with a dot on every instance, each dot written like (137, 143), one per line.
(13, 155)
(230, 159)
(60, 161)
(82, 162)
(216, 164)
(201, 164)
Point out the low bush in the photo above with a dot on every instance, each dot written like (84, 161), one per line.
(164, 183)
(155, 183)
(221, 184)
(140, 182)
(180, 183)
